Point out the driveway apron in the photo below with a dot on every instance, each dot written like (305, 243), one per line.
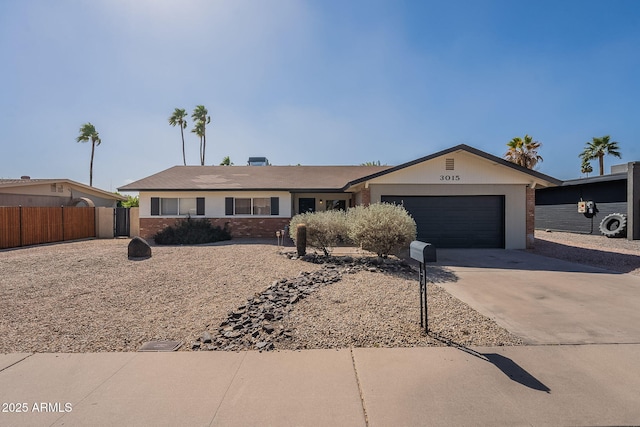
(545, 300)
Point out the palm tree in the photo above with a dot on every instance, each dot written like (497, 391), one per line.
(179, 118)
(201, 118)
(88, 133)
(597, 148)
(586, 167)
(524, 152)
(198, 129)
(376, 163)
(226, 161)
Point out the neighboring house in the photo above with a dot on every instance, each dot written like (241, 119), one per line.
(459, 197)
(53, 192)
(618, 192)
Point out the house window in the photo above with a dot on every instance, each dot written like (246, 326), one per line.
(169, 206)
(261, 206)
(243, 207)
(187, 206)
(336, 205)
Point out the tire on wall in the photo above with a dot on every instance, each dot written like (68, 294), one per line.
(614, 225)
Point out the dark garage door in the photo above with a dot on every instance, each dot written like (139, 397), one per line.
(456, 221)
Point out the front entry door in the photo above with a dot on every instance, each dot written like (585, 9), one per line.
(306, 205)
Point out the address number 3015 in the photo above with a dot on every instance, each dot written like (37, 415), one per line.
(449, 177)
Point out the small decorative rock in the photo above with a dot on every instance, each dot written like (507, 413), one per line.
(139, 249)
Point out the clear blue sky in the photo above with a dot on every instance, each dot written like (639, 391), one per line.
(312, 82)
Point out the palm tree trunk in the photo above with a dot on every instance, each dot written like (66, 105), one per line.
(201, 161)
(93, 148)
(601, 163)
(204, 145)
(184, 157)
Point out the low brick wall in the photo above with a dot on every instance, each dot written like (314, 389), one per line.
(239, 227)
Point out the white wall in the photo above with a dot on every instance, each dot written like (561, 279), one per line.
(468, 169)
(214, 202)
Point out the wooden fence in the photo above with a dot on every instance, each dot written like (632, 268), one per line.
(23, 226)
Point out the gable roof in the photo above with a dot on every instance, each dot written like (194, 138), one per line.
(461, 147)
(285, 178)
(17, 183)
(294, 178)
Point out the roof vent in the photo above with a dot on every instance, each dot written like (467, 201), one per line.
(25, 177)
(449, 164)
(258, 161)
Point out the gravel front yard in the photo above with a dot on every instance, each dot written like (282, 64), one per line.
(87, 296)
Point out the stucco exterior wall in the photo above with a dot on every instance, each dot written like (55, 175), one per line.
(463, 168)
(49, 194)
(104, 223)
(134, 222)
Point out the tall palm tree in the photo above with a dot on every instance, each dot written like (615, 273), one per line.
(597, 148)
(179, 117)
(198, 129)
(88, 133)
(524, 152)
(201, 119)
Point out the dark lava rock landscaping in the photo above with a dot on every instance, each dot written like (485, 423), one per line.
(258, 324)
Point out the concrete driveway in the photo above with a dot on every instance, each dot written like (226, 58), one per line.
(544, 300)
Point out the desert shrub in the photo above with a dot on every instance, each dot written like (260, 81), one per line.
(325, 230)
(382, 228)
(191, 232)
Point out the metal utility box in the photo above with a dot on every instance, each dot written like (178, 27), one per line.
(422, 252)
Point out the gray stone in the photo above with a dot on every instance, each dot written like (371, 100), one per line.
(206, 337)
(139, 249)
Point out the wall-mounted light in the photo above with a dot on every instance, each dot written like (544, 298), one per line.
(320, 201)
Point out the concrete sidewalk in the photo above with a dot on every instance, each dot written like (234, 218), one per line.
(538, 385)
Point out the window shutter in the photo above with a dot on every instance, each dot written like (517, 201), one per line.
(228, 205)
(155, 206)
(200, 206)
(275, 206)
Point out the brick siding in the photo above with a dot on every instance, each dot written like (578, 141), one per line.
(239, 227)
(366, 196)
(531, 217)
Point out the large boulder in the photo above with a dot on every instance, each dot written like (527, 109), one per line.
(139, 249)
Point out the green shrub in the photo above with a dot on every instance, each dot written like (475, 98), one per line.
(382, 228)
(325, 230)
(192, 232)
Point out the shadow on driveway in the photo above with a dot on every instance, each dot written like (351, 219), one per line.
(512, 259)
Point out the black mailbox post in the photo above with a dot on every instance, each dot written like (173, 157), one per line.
(423, 253)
